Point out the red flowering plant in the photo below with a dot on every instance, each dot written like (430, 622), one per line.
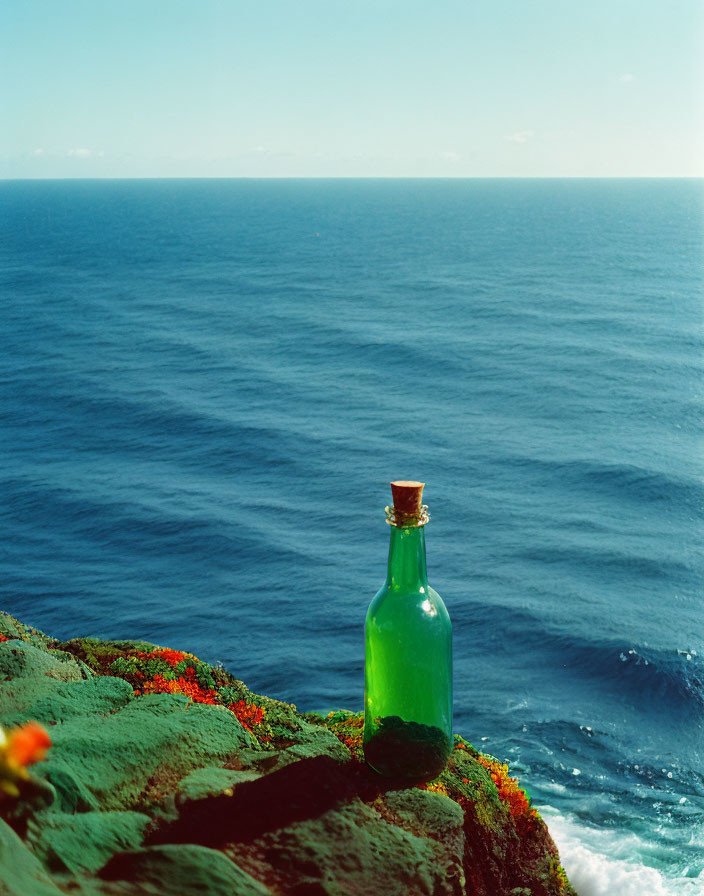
(348, 727)
(162, 670)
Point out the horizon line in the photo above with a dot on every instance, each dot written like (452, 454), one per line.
(368, 177)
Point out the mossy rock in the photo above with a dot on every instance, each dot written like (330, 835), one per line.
(218, 790)
(184, 870)
(84, 842)
(21, 872)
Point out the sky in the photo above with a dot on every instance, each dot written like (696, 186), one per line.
(350, 88)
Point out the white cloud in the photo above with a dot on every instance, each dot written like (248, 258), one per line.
(627, 78)
(450, 156)
(520, 136)
(80, 153)
(38, 151)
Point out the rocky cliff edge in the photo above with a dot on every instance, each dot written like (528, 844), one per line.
(168, 776)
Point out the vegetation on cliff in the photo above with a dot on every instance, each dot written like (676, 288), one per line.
(168, 776)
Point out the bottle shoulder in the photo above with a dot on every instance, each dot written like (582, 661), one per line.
(424, 602)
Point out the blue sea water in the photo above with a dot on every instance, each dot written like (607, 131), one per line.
(206, 386)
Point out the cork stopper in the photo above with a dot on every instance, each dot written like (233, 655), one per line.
(408, 509)
(407, 496)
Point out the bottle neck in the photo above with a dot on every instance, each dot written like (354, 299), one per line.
(407, 570)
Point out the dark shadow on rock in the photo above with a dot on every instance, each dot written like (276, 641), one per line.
(298, 792)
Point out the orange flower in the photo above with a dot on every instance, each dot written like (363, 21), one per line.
(509, 789)
(27, 744)
(435, 787)
(247, 713)
(161, 685)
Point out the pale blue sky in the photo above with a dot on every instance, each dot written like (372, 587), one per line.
(200, 88)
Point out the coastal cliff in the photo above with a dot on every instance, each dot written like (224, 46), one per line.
(169, 776)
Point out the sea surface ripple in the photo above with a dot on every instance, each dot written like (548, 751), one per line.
(206, 386)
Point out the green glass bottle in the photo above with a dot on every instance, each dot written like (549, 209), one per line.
(408, 655)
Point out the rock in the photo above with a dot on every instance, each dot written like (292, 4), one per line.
(86, 841)
(427, 814)
(150, 743)
(348, 850)
(54, 701)
(184, 870)
(171, 777)
(21, 872)
(20, 660)
(314, 740)
(208, 782)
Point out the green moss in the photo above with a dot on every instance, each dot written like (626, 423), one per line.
(98, 655)
(21, 872)
(183, 870)
(204, 782)
(87, 698)
(24, 660)
(14, 629)
(116, 767)
(84, 842)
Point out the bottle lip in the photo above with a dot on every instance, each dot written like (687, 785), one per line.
(407, 520)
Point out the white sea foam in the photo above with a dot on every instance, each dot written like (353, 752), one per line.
(601, 862)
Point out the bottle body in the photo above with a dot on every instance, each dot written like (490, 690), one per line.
(408, 668)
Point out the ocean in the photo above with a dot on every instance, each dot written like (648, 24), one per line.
(207, 385)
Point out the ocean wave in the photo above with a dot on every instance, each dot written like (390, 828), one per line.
(645, 672)
(613, 563)
(131, 526)
(627, 482)
(672, 679)
(669, 679)
(605, 862)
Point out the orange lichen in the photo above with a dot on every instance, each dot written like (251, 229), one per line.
(509, 789)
